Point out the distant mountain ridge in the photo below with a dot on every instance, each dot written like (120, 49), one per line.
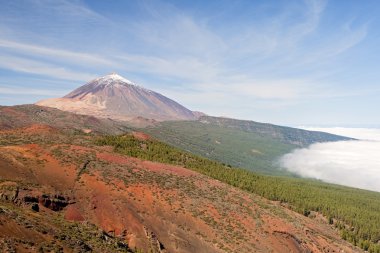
(241, 143)
(288, 135)
(113, 96)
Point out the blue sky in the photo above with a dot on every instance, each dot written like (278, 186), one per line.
(284, 62)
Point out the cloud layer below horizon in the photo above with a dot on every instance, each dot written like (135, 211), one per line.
(350, 163)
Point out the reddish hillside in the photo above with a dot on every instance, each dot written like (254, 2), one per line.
(56, 190)
(26, 115)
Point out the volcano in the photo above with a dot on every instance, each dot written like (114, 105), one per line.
(113, 96)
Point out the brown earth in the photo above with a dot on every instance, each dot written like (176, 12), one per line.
(116, 203)
(20, 116)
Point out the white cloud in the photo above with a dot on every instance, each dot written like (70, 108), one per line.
(350, 163)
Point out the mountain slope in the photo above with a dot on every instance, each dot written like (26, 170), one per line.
(67, 194)
(287, 135)
(26, 115)
(354, 212)
(113, 96)
(246, 144)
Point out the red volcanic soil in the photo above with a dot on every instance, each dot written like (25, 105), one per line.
(12, 229)
(14, 113)
(38, 128)
(141, 135)
(152, 206)
(33, 129)
(72, 213)
(148, 165)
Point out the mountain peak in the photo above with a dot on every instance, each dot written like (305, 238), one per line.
(112, 78)
(113, 96)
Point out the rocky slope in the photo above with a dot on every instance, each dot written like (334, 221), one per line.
(115, 97)
(26, 115)
(62, 193)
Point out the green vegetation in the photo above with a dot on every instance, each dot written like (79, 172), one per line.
(226, 145)
(245, 144)
(355, 212)
(283, 134)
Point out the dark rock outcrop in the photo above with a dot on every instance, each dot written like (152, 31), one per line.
(157, 246)
(35, 207)
(10, 192)
(55, 203)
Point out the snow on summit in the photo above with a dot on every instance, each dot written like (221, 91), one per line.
(112, 78)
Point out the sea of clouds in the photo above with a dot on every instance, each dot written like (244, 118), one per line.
(353, 163)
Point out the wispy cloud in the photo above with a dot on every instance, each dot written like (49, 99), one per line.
(372, 134)
(54, 53)
(37, 67)
(252, 63)
(11, 90)
(70, 8)
(283, 57)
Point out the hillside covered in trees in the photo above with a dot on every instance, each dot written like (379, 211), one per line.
(356, 213)
(245, 144)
